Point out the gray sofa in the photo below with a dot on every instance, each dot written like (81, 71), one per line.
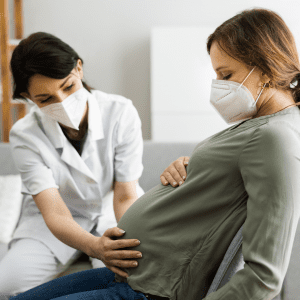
(156, 157)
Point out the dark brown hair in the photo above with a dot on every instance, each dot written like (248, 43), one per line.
(45, 54)
(259, 37)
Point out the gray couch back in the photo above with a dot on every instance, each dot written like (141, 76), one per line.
(7, 165)
(157, 156)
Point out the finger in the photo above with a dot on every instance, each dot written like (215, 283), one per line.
(114, 231)
(186, 160)
(163, 180)
(118, 271)
(123, 254)
(179, 172)
(124, 243)
(170, 178)
(124, 263)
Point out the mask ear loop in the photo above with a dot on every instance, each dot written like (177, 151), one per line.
(260, 93)
(246, 77)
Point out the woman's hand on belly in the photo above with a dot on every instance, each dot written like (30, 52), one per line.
(175, 173)
(107, 249)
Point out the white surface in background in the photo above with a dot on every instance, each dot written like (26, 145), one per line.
(10, 205)
(181, 76)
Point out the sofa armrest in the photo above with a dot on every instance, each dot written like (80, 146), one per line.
(3, 250)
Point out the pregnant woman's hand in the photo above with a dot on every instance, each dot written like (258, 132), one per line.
(107, 249)
(175, 173)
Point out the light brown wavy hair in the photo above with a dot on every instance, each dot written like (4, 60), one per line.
(259, 37)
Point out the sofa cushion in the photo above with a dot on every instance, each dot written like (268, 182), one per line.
(3, 249)
(10, 205)
(6, 160)
(157, 156)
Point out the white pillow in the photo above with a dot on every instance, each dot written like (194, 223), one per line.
(10, 205)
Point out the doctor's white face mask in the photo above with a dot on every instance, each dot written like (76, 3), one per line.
(70, 111)
(233, 101)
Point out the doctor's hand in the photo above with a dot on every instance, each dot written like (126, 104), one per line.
(106, 248)
(175, 173)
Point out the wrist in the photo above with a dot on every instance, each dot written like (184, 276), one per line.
(92, 246)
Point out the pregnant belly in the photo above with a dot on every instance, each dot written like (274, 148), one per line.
(156, 219)
(145, 219)
(148, 220)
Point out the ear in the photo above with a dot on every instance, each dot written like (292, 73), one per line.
(79, 68)
(265, 78)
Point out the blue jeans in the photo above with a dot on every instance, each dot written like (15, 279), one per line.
(85, 285)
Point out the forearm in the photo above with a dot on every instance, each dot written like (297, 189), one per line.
(67, 230)
(120, 207)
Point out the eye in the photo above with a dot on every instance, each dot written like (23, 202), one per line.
(66, 89)
(69, 87)
(227, 77)
(45, 100)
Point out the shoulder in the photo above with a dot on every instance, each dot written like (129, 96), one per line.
(283, 126)
(281, 132)
(277, 138)
(111, 99)
(26, 130)
(114, 105)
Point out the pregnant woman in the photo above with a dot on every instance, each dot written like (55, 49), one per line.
(248, 173)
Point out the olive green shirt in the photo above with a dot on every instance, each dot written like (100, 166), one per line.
(248, 173)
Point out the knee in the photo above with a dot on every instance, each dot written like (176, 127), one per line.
(18, 276)
(12, 280)
(26, 265)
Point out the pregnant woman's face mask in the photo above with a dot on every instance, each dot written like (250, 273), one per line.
(70, 111)
(233, 101)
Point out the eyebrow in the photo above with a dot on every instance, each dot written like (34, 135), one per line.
(40, 95)
(219, 68)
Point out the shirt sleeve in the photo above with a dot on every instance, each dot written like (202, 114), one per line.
(128, 164)
(36, 176)
(270, 169)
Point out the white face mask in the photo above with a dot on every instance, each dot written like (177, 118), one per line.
(70, 111)
(233, 101)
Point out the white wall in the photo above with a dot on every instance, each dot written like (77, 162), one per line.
(181, 76)
(113, 36)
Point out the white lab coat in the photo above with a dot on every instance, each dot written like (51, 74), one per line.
(45, 158)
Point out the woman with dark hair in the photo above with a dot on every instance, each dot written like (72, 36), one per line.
(246, 174)
(79, 152)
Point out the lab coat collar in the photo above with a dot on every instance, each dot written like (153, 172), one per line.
(69, 153)
(95, 119)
